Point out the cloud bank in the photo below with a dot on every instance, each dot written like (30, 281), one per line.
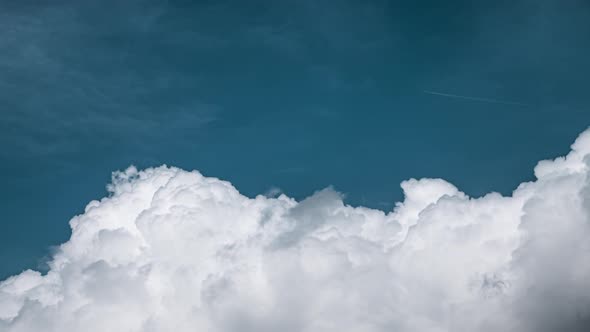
(171, 250)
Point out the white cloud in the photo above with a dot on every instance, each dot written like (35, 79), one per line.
(171, 250)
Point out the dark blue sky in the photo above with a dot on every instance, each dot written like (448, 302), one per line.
(297, 95)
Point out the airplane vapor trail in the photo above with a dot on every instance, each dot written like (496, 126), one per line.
(485, 100)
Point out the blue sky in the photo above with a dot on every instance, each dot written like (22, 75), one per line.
(297, 95)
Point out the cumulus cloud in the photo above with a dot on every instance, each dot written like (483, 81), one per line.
(171, 250)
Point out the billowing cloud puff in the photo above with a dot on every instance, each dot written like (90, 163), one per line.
(171, 250)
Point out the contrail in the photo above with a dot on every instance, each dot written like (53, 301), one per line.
(485, 100)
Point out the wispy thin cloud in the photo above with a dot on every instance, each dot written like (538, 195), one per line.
(473, 98)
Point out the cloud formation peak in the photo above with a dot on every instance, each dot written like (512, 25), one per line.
(171, 250)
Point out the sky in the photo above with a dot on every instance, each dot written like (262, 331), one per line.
(279, 96)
